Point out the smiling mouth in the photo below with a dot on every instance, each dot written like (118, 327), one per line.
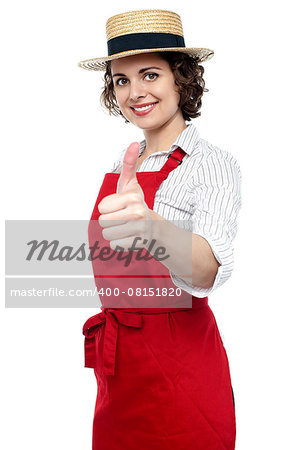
(144, 108)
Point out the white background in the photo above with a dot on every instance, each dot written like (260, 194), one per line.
(57, 143)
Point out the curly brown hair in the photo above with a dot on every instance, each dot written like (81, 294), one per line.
(188, 75)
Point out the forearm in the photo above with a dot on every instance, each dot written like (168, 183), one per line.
(190, 255)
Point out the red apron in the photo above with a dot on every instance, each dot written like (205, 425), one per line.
(162, 373)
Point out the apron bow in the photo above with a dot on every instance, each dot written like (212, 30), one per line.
(111, 319)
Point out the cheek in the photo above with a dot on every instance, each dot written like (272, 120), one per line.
(120, 97)
(173, 97)
(169, 92)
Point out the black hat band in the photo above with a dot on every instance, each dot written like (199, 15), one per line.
(136, 41)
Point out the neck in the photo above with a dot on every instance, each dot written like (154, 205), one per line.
(162, 138)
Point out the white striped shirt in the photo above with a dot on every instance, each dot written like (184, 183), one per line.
(203, 193)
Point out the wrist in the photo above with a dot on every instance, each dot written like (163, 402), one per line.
(155, 231)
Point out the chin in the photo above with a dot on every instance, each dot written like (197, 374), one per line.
(148, 126)
(150, 123)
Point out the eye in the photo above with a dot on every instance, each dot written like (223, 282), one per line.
(118, 81)
(150, 74)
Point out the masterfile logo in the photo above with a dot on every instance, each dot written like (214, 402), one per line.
(60, 263)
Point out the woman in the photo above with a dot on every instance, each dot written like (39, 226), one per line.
(161, 367)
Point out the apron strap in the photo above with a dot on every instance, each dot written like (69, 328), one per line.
(173, 161)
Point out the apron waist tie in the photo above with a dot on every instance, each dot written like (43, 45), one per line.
(130, 317)
(91, 328)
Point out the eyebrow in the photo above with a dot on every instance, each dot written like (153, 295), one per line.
(140, 71)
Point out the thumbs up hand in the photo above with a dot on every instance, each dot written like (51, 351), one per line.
(124, 215)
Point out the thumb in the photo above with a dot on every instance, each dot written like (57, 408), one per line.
(128, 171)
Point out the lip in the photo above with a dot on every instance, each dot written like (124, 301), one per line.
(143, 113)
(141, 105)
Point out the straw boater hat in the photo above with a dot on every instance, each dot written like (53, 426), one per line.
(144, 31)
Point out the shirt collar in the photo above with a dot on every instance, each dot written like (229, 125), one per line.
(186, 140)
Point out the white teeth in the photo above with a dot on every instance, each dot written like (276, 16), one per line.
(144, 107)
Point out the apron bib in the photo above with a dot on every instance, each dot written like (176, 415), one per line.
(163, 378)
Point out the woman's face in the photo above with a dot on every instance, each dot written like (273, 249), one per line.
(146, 79)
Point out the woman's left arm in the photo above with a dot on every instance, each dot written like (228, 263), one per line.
(189, 255)
(198, 257)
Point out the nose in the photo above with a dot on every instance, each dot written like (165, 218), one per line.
(137, 90)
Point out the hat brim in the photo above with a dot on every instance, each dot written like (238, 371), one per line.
(100, 63)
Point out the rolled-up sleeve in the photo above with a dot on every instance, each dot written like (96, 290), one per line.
(217, 202)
